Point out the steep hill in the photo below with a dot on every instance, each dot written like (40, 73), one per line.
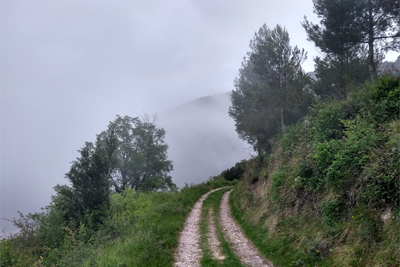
(202, 139)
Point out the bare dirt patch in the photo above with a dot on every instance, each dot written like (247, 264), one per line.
(188, 253)
(242, 246)
(213, 242)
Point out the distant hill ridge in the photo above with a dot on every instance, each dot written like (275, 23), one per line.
(202, 139)
(210, 101)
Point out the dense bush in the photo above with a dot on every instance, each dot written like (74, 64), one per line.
(236, 172)
(328, 121)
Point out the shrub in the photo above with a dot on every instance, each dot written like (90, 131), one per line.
(381, 184)
(236, 172)
(381, 99)
(290, 138)
(332, 211)
(277, 181)
(328, 124)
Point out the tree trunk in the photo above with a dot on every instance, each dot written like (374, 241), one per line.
(371, 65)
(283, 127)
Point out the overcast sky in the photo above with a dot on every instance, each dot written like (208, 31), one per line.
(68, 67)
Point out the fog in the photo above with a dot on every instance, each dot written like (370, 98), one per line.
(68, 67)
(202, 139)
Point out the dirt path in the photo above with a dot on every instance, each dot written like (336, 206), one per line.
(243, 247)
(189, 253)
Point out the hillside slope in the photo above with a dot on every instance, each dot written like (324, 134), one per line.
(328, 194)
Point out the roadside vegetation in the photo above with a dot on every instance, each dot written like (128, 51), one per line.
(328, 193)
(324, 188)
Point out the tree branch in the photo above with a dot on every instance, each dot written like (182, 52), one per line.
(385, 37)
(378, 19)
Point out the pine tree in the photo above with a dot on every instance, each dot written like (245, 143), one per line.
(349, 26)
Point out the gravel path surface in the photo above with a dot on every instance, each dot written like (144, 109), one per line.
(189, 253)
(242, 246)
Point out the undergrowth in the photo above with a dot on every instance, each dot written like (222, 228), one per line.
(329, 193)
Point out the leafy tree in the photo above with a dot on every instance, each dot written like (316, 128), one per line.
(137, 155)
(272, 88)
(130, 153)
(349, 25)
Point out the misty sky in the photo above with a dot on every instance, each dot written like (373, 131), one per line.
(68, 67)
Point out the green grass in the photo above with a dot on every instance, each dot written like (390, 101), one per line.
(139, 229)
(290, 245)
(213, 202)
(153, 237)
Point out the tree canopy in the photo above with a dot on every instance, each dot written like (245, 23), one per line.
(137, 154)
(131, 153)
(348, 26)
(272, 88)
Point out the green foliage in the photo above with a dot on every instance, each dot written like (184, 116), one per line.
(236, 172)
(347, 25)
(130, 153)
(382, 183)
(272, 88)
(336, 74)
(328, 124)
(292, 136)
(379, 100)
(136, 154)
(352, 156)
(332, 210)
(339, 160)
(89, 192)
(332, 198)
(219, 181)
(140, 229)
(277, 181)
(324, 157)
(154, 221)
(279, 246)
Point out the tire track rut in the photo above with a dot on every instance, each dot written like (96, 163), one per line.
(188, 253)
(242, 246)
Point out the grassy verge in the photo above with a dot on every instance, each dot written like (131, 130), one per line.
(156, 220)
(286, 242)
(213, 202)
